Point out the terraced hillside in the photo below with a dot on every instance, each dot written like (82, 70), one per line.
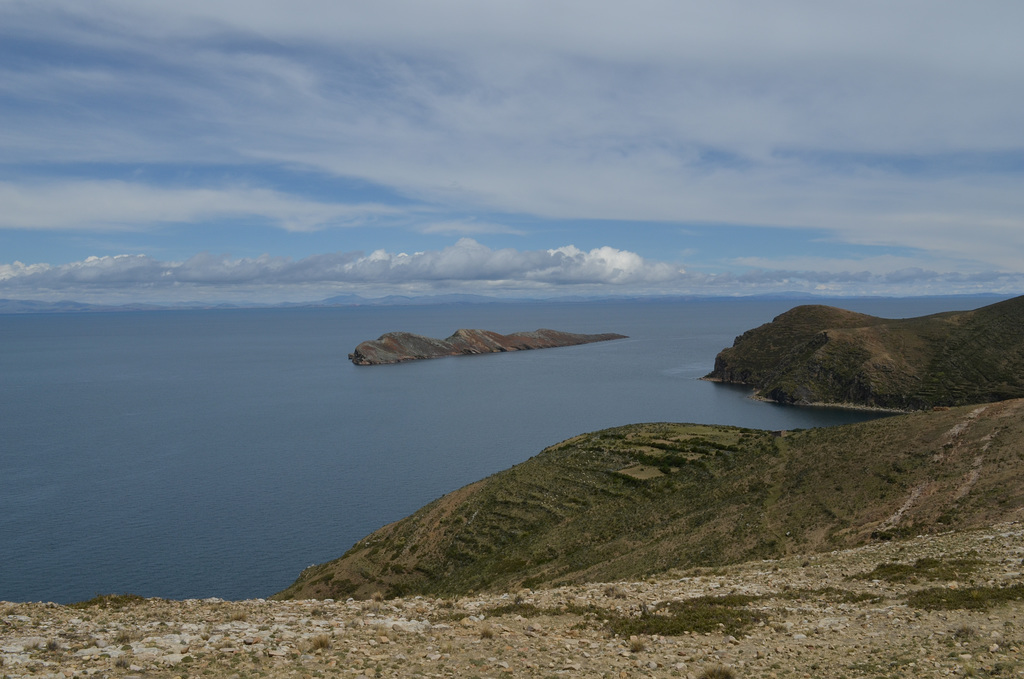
(818, 354)
(632, 501)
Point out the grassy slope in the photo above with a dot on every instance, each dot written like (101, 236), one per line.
(576, 512)
(819, 354)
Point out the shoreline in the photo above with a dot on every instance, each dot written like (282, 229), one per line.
(818, 404)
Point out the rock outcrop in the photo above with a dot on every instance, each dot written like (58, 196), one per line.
(817, 354)
(397, 347)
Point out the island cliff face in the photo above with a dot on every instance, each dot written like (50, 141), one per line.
(396, 347)
(823, 355)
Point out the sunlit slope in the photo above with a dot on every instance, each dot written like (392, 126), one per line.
(819, 354)
(641, 499)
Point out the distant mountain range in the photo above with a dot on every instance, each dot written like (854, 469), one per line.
(22, 306)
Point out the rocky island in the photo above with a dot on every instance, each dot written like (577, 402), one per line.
(397, 347)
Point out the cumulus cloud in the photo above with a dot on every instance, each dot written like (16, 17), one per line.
(465, 266)
(465, 261)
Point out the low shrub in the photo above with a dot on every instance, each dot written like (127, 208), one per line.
(967, 598)
(725, 614)
(109, 601)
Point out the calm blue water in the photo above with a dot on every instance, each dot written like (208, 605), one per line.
(218, 453)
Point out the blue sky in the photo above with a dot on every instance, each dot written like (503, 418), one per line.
(269, 151)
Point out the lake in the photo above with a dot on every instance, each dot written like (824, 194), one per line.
(190, 454)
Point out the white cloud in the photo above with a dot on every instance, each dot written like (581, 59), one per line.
(466, 266)
(113, 205)
(850, 118)
(466, 261)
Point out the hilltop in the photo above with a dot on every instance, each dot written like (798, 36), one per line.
(816, 354)
(643, 499)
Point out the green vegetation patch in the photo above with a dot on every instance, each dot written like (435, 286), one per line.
(724, 614)
(927, 568)
(968, 598)
(526, 610)
(109, 601)
(709, 496)
(832, 594)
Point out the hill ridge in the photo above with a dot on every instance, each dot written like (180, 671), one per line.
(641, 499)
(821, 355)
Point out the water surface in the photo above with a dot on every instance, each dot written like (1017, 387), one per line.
(218, 453)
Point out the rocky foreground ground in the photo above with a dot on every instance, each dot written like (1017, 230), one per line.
(936, 606)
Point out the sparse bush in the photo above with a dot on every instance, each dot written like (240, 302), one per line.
(109, 601)
(614, 592)
(525, 610)
(964, 632)
(719, 672)
(968, 598)
(125, 636)
(834, 594)
(486, 632)
(636, 645)
(725, 614)
(320, 642)
(928, 568)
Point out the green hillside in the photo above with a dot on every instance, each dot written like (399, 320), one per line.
(822, 355)
(642, 499)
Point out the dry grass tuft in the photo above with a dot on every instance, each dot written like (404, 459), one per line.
(320, 642)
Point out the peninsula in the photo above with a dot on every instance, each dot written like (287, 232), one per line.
(815, 354)
(397, 347)
(644, 499)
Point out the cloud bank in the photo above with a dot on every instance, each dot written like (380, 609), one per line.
(465, 266)
(466, 261)
(893, 126)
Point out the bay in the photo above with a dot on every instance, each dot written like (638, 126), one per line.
(189, 454)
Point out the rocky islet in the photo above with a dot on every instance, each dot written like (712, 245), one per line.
(399, 347)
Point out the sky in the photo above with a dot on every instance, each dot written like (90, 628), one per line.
(270, 151)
